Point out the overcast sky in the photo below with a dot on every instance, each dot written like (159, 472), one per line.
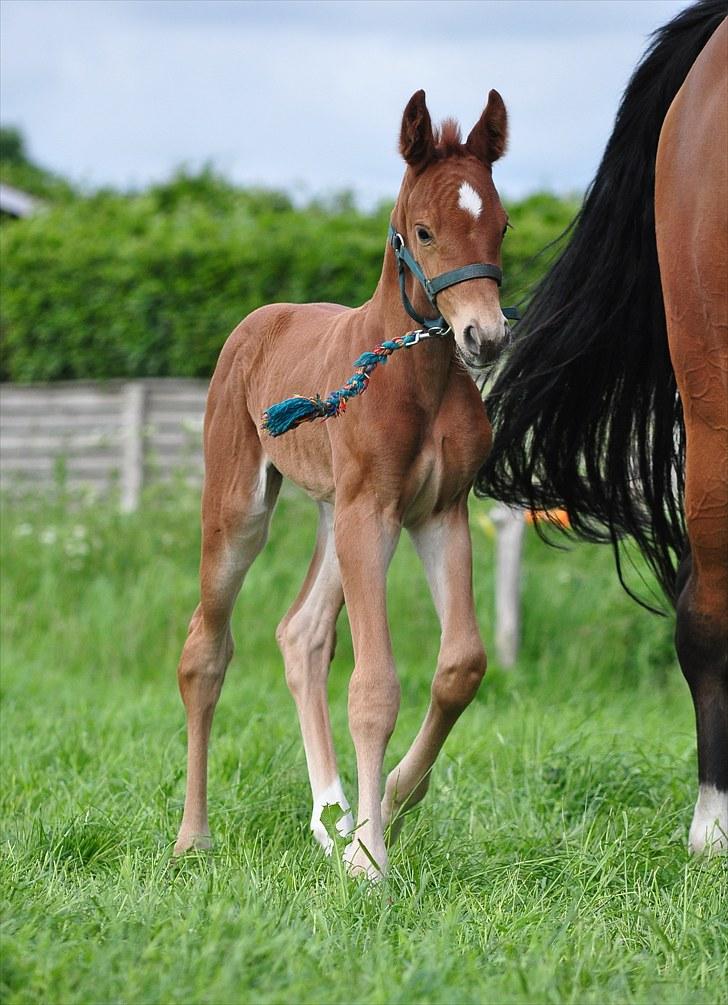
(309, 95)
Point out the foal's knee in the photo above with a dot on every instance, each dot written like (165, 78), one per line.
(374, 695)
(458, 678)
(205, 658)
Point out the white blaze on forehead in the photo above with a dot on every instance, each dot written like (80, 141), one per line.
(469, 200)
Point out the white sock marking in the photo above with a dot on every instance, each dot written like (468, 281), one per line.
(469, 200)
(332, 795)
(709, 829)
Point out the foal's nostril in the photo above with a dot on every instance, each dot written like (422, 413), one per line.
(471, 343)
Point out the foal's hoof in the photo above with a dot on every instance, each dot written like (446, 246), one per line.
(192, 842)
(392, 819)
(331, 817)
(397, 803)
(322, 831)
(364, 862)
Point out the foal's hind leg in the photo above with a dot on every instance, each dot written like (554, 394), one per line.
(238, 500)
(444, 546)
(307, 638)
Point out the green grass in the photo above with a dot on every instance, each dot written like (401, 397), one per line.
(547, 864)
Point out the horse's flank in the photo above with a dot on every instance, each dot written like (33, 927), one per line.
(586, 410)
(692, 244)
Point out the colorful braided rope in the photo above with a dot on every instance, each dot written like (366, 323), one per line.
(289, 414)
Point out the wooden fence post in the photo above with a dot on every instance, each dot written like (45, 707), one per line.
(132, 462)
(510, 525)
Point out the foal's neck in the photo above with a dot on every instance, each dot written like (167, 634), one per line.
(385, 318)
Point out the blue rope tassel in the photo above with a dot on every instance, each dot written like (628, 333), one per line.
(288, 414)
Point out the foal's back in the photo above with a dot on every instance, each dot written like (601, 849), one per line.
(275, 350)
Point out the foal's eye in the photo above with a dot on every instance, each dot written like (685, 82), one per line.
(423, 235)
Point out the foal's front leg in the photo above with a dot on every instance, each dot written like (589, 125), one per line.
(443, 543)
(365, 542)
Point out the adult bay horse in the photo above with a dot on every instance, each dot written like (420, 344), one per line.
(614, 402)
(405, 456)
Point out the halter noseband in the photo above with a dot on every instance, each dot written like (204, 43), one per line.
(479, 270)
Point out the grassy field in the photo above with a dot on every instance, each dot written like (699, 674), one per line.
(548, 863)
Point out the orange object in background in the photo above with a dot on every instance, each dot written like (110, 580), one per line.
(559, 516)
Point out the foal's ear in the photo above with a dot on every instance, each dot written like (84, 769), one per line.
(489, 135)
(416, 142)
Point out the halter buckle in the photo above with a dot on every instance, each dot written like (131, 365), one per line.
(397, 242)
(435, 332)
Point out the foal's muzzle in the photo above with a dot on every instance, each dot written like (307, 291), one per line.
(481, 345)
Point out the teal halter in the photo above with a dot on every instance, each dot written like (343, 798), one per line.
(405, 260)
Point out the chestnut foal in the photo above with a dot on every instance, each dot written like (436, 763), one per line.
(405, 455)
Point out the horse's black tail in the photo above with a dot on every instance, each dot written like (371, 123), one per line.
(585, 409)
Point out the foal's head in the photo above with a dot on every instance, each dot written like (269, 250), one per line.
(449, 214)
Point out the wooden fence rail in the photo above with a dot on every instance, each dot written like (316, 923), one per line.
(121, 435)
(104, 435)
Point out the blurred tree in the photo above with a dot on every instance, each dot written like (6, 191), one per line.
(12, 145)
(17, 169)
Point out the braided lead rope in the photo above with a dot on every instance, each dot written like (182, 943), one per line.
(288, 414)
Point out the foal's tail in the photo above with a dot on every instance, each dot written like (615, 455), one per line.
(585, 410)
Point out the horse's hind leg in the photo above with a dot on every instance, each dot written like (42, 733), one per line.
(691, 214)
(702, 629)
(697, 325)
(307, 638)
(238, 500)
(444, 545)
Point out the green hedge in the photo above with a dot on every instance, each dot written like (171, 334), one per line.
(151, 284)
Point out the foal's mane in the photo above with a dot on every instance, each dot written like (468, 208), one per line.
(585, 409)
(449, 140)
